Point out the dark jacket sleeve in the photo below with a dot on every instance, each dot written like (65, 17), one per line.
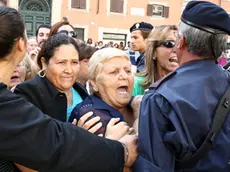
(30, 138)
(30, 92)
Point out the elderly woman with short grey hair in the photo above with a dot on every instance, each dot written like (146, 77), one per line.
(111, 82)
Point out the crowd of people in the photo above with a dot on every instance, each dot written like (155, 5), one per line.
(69, 105)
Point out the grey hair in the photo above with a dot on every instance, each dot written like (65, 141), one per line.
(203, 44)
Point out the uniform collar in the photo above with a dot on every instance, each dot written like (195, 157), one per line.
(192, 65)
(98, 103)
(195, 64)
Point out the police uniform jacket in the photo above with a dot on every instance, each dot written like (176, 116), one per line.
(175, 117)
(33, 139)
(140, 63)
(44, 95)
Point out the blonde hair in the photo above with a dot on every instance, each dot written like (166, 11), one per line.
(30, 67)
(158, 34)
(100, 56)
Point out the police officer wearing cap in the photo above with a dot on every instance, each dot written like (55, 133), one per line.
(177, 112)
(139, 33)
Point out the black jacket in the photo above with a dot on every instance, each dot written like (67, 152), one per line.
(40, 92)
(33, 139)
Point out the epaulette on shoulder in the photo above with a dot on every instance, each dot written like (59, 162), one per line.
(162, 80)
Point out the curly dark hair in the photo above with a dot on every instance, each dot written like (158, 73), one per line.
(51, 44)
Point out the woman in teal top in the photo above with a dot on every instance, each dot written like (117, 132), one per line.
(54, 90)
(138, 89)
(160, 57)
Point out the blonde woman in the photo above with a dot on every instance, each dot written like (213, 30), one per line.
(160, 56)
(24, 71)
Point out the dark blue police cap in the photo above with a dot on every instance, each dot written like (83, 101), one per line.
(141, 26)
(206, 16)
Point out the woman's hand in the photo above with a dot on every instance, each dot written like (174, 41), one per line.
(91, 125)
(115, 130)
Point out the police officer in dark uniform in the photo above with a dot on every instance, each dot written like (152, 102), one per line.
(177, 112)
(139, 33)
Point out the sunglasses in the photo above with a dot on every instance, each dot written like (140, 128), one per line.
(167, 44)
(69, 33)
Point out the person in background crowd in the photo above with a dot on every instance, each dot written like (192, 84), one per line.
(100, 45)
(90, 42)
(63, 27)
(133, 55)
(160, 57)
(24, 71)
(116, 45)
(112, 82)
(3, 3)
(42, 33)
(32, 43)
(121, 46)
(139, 33)
(96, 45)
(111, 44)
(33, 139)
(85, 53)
(177, 112)
(32, 48)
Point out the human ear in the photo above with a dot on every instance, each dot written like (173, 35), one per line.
(21, 44)
(94, 85)
(44, 65)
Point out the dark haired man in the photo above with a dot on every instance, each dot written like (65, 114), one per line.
(42, 33)
(139, 33)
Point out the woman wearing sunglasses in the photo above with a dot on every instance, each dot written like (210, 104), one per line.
(160, 56)
(63, 27)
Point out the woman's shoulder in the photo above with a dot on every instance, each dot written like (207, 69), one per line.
(28, 85)
(82, 108)
(81, 90)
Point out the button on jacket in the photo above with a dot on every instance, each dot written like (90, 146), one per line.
(43, 94)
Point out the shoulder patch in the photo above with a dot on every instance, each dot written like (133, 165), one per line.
(162, 80)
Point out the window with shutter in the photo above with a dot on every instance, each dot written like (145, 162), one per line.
(113, 6)
(157, 10)
(120, 6)
(75, 3)
(82, 4)
(149, 10)
(117, 6)
(166, 12)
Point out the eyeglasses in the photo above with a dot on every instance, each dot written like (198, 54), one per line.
(69, 33)
(167, 44)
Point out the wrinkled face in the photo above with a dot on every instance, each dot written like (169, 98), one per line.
(63, 67)
(115, 82)
(43, 34)
(137, 41)
(18, 76)
(84, 74)
(166, 56)
(31, 44)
